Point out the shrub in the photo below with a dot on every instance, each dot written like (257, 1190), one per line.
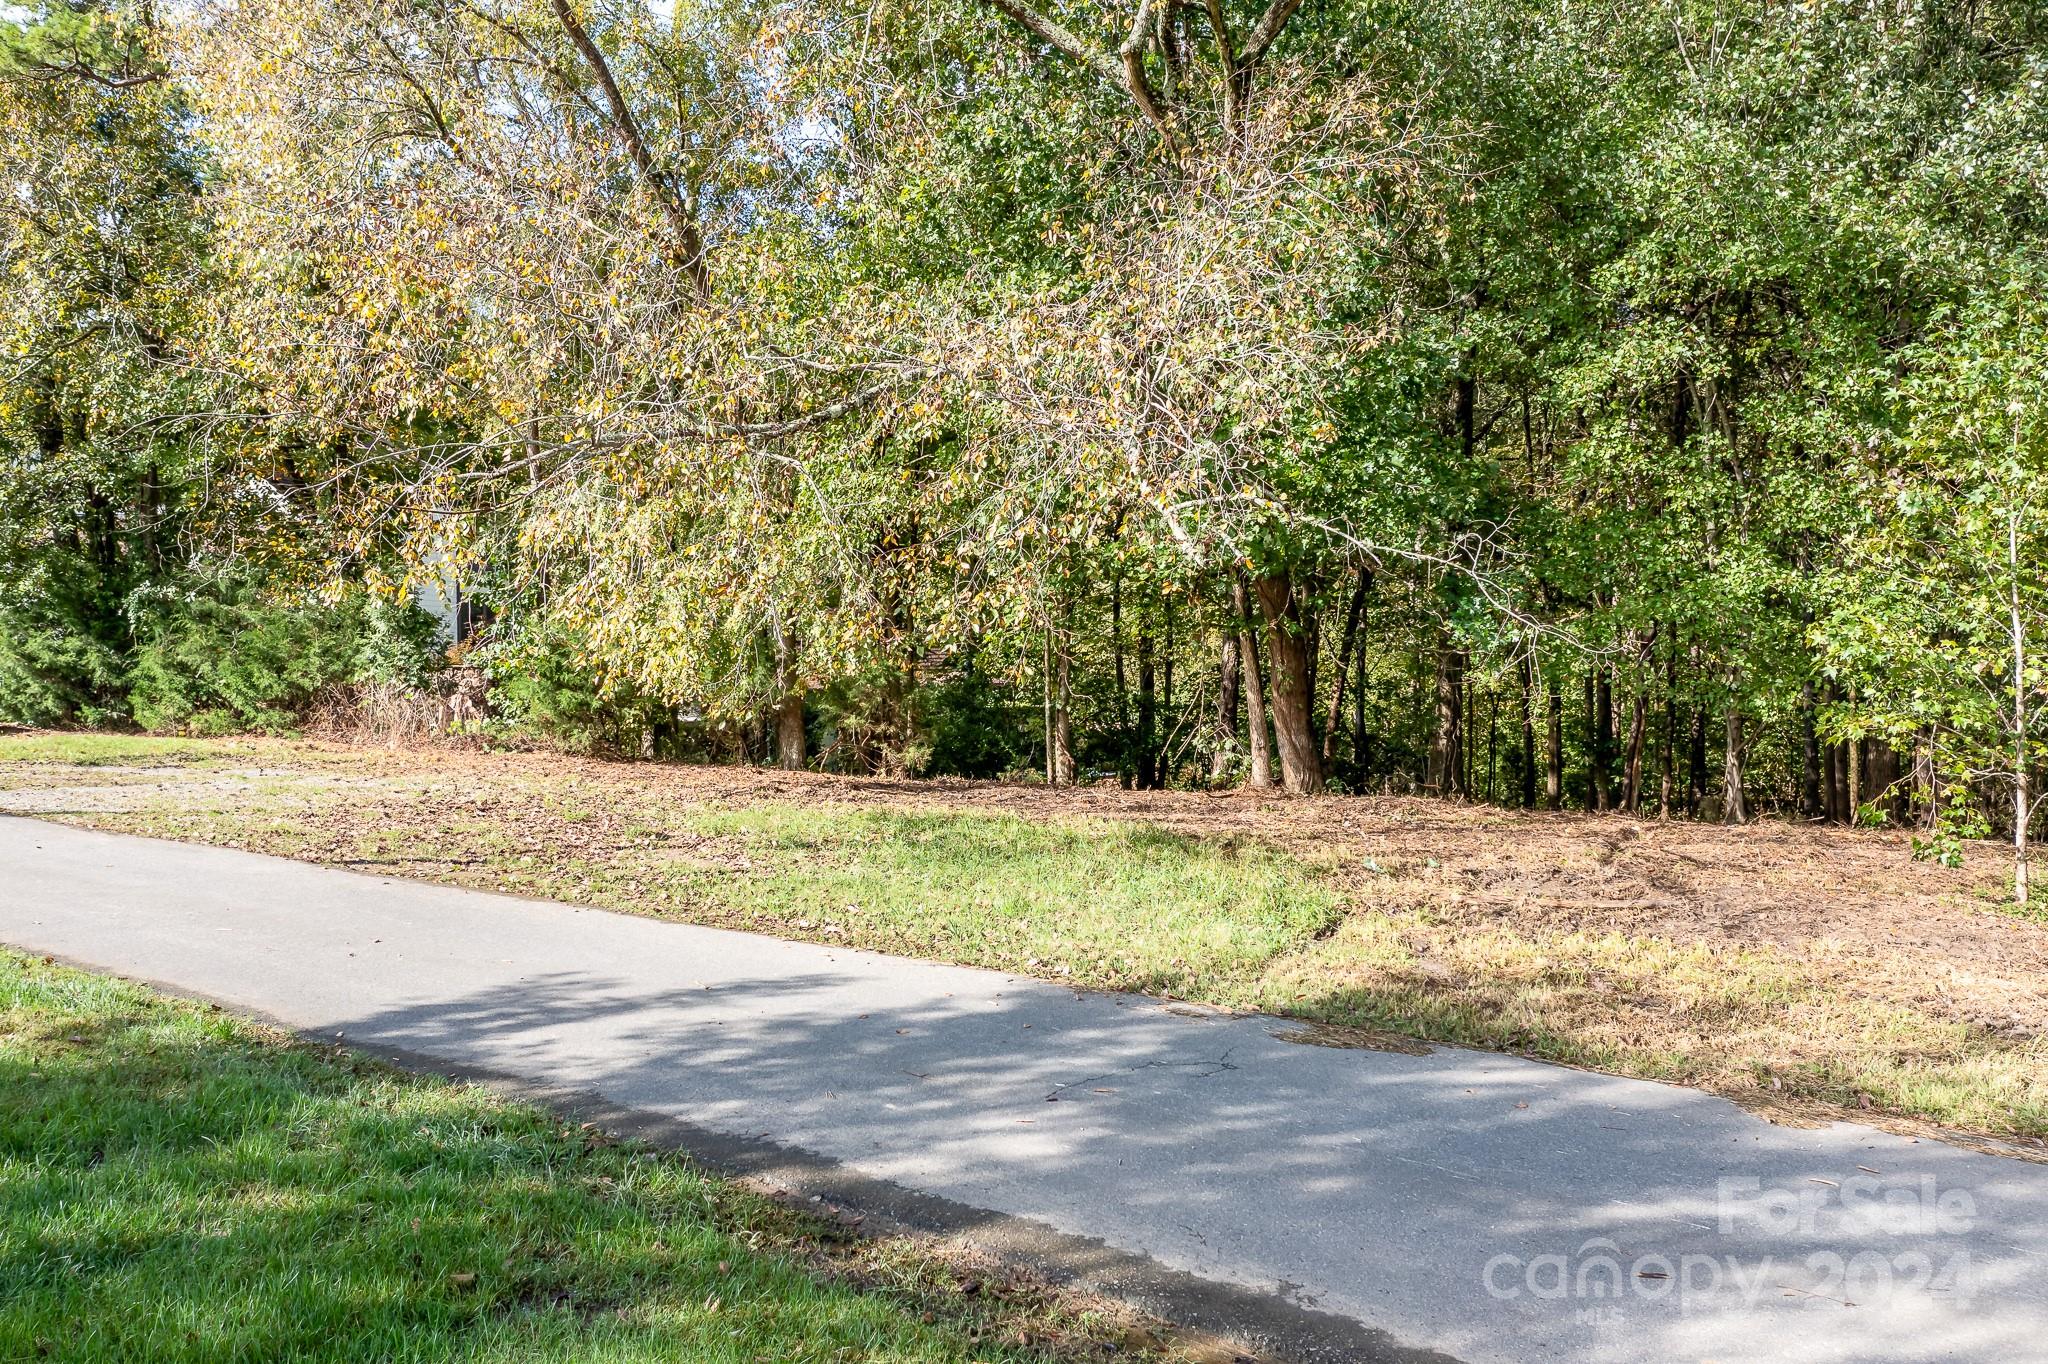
(975, 727)
(398, 643)
(538, 687)
(54, 673)
(218, 663)
(214, 666)
(60, 645)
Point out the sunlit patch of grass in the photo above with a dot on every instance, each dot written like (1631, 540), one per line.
(178, 1185)
(111, 750)
(1749, 1022)
(1108, 903)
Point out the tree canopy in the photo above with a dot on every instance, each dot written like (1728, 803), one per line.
(1539, 403)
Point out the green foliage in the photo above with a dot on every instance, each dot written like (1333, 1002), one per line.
(542, 685)
(52, 670)
(1941, 623)
(974, 727)
(218, 664)
(1958, 820)
(397, 642)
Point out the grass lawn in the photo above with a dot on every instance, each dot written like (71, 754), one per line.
(1113, 903)
(1810, 973)
(176, 1184)
(104, 750)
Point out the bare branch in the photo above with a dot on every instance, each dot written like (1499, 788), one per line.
(1265, 31)
(689, 240)
(1226, 52)
(81, 71)
(1062, 39)
(1133, 53)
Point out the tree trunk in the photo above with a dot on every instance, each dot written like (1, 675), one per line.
(1052, 766)
(1923, 779)
(1527, 774)
(1344, 647)
(1165, 674)
(1123, 700)
(1446, 768)
(1632, 766)
(2022, 790)
(1258, 749)
(1734, 808)
(1696, 763)
(1468, 751)
(1492, 740)
(1809, 753)
(789, 706)
(1148, 715)
(1293, 708)
(2022, 815)
(1226, 708)
(1451, 707)
(1855, 752)
(1843, 812)
(1884, 778)
(1603, 739)
(1063, 709)
(1553, 751)
(1595, 765)
(1668, 780)
(1361, 745)
(1833, 793)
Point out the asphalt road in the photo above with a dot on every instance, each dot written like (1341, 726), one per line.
(1333, 1203)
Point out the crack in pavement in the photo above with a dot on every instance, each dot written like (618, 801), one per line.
(1215, 1067)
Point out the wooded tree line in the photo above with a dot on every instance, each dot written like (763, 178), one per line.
(1543, 403)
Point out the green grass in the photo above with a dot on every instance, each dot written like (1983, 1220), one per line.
(1108, 903)
(178, 1185)
(110, 750)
